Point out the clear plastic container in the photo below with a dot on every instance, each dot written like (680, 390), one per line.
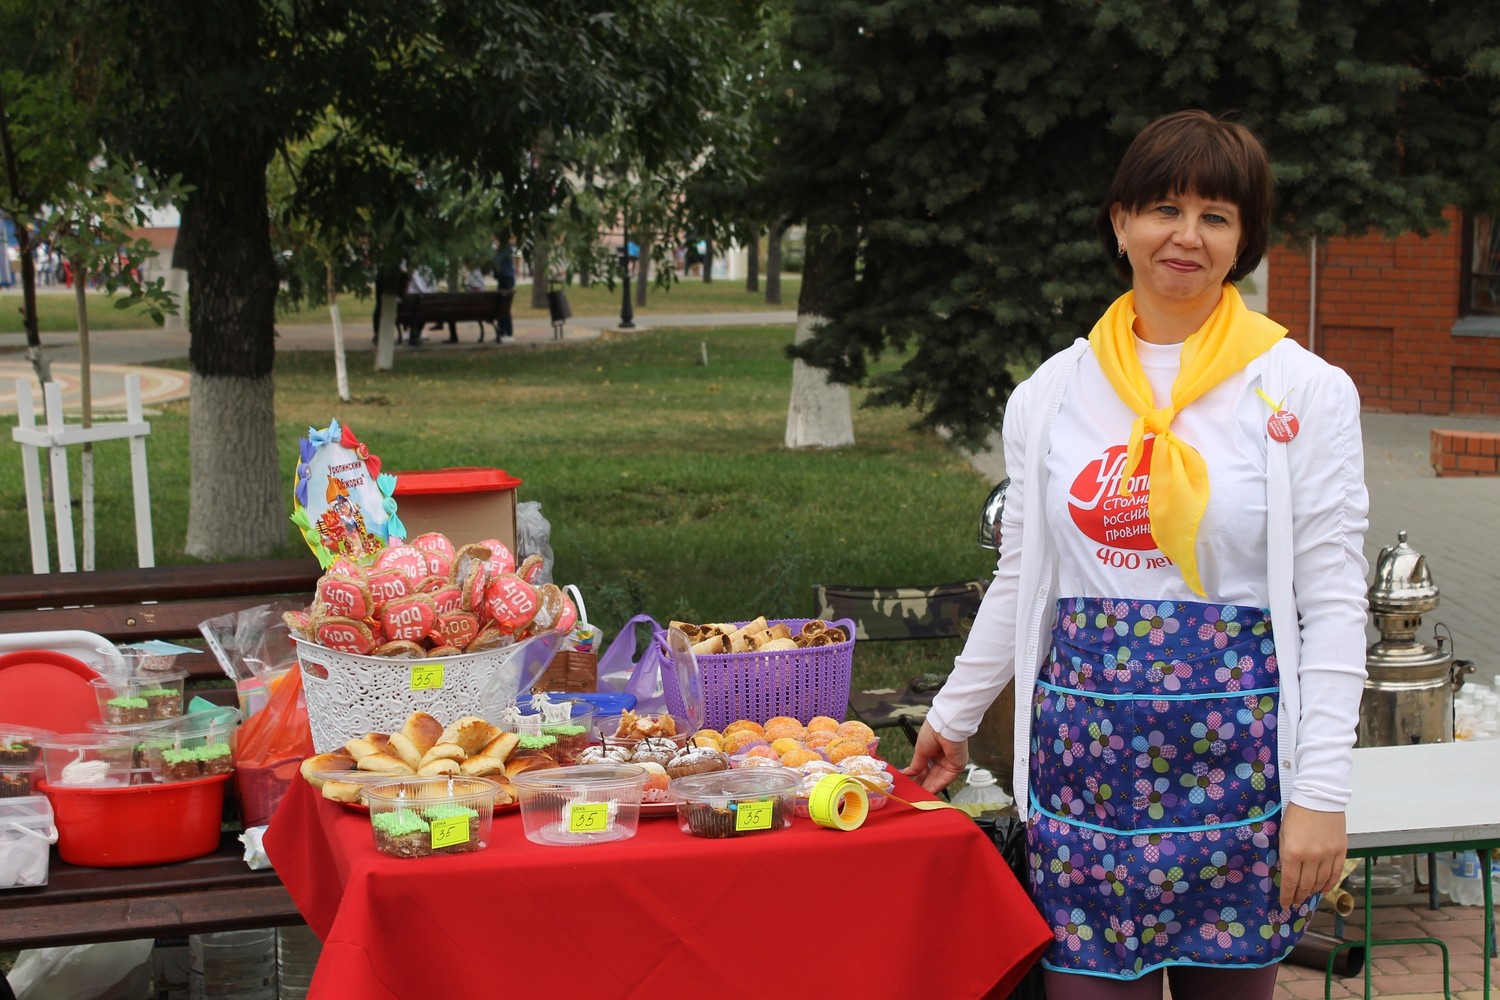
(97, 759)
(736, 803)
(20, 759)
(26, 836)
(419, 817)
(191, 746)
(135, 661)
(569, 733)
(135, 700)
(981, 794)
(609, 727)
(580, 805)
(233, 964)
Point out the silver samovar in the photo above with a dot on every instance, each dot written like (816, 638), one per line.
(1409, 691)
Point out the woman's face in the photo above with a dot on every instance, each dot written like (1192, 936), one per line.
(1181, 247)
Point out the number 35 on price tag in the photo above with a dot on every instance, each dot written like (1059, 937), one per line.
(426, 676)
(588, 817)
(450, 831)
(753, 815)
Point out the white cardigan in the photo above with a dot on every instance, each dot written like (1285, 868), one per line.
(1317, 511)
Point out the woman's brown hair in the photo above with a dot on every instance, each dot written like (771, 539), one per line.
(1195, 151)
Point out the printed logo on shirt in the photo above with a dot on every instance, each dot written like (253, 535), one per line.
(1105, 515)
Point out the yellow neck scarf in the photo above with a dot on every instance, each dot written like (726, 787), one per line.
(1230, 339)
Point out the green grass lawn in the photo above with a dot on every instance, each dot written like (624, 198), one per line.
(58, 313)
(665, 482)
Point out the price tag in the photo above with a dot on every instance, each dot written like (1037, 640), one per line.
(753, 815)
(588, 817)
(426, 676)
(450, 831)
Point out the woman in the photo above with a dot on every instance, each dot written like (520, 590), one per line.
(1186, 517)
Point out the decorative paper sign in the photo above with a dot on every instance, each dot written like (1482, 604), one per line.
(753, 815)
(588, 817)
(426, 676)
(449, 831)
(342, 502)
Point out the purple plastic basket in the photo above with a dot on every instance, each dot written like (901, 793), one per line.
(800, 683)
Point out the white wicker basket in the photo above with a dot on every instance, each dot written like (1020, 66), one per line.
(350, 695)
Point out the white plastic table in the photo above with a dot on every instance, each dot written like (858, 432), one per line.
(1421, 799)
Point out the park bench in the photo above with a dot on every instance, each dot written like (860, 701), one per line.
(415, 311)
(216, 891)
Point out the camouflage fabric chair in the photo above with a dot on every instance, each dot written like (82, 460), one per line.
(938, 611)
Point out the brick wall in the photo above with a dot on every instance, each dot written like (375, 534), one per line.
(1465, 453)
(1385, 313)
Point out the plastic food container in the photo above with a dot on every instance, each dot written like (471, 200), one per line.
(580, 805)
(191, 746)
(20, 759)
(94, 759)
(564, 739)
(134, 700)
(134, 661)
(419, 817)
(610, 725)
(27, 834)
(137, 824)
(736, 803)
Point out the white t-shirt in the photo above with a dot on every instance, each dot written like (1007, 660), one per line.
(1104, 540)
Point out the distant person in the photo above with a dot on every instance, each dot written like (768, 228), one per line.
(1179, 600)
(505, 283)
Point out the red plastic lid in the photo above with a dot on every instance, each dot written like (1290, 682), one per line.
(47, 689)
(472, 479)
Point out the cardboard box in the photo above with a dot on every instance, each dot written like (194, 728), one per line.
(466, 504)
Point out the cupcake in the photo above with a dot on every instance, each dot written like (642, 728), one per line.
(180, 765)
(15, 783)
(572, 739)
(604, 755)
(653, 750)
(402, 834)
(697, 760)
(126, 709)
(215, 758)
(658, 784)
(18, 750)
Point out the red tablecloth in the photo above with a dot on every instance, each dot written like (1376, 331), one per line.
(911, 904)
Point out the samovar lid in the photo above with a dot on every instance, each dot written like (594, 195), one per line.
(1402, 581)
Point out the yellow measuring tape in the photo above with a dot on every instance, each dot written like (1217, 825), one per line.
(838, 802)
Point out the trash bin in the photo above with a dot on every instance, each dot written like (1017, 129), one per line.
(557, 305)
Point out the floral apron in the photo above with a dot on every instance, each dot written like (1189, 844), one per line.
(1155, 802)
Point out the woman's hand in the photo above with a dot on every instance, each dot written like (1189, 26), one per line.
(936, 761)
(1313, 848)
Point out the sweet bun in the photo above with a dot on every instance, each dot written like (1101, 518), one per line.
(501, 747)
(469, 733)
(362, 746)
(422, 730)
(343, 791)
(325, 762)
(482, 767)
(441, 765)
(383, 762)
(450, 751)
(403, 747)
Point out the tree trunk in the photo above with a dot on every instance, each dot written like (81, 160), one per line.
(773, 264)
(539, 274)
(236, 505)
(708, 262)
(752, 263)
(34, 351)
(818, 415)
(643, 271)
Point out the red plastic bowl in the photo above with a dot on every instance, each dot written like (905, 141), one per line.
(137, 824)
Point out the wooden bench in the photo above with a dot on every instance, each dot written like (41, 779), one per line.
(214, 892)
(414, 311)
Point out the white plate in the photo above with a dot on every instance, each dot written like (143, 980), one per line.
(649, 809)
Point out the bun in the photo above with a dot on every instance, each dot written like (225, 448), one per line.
(404, 748)
(444, 750)
(361, 747)
(343, 791)
(442, 765)
(384, 763)
(501, 747)
(422, 730)
(482, 767)
(469, 733)
(325, 762)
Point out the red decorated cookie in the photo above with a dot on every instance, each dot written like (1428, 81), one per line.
(457, 629)
(531, 567)
(411, 618)
(569, 616)
(389, 585)
(344, 596)
(550, 603)
(448, 599)
(407, 560)
(502, 559)
(344, 634)
(438, 550)
(511, 602)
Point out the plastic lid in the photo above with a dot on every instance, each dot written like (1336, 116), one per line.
(979, 776)
(470, 479)
(689, 678)
(608, 702)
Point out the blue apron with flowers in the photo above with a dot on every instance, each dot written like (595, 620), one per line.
(1155, 802)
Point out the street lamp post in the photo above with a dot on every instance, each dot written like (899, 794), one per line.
(627, 311)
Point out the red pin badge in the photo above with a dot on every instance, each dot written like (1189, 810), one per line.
(1282, 425)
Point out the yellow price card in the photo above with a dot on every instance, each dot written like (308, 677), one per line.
(450, 831)
(426, 676)
(753, 815)
(588, 817)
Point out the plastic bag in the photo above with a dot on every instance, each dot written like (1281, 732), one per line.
(109, 970)
(253, 647)
(534, 537)
(621, 670)
(271, 747)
